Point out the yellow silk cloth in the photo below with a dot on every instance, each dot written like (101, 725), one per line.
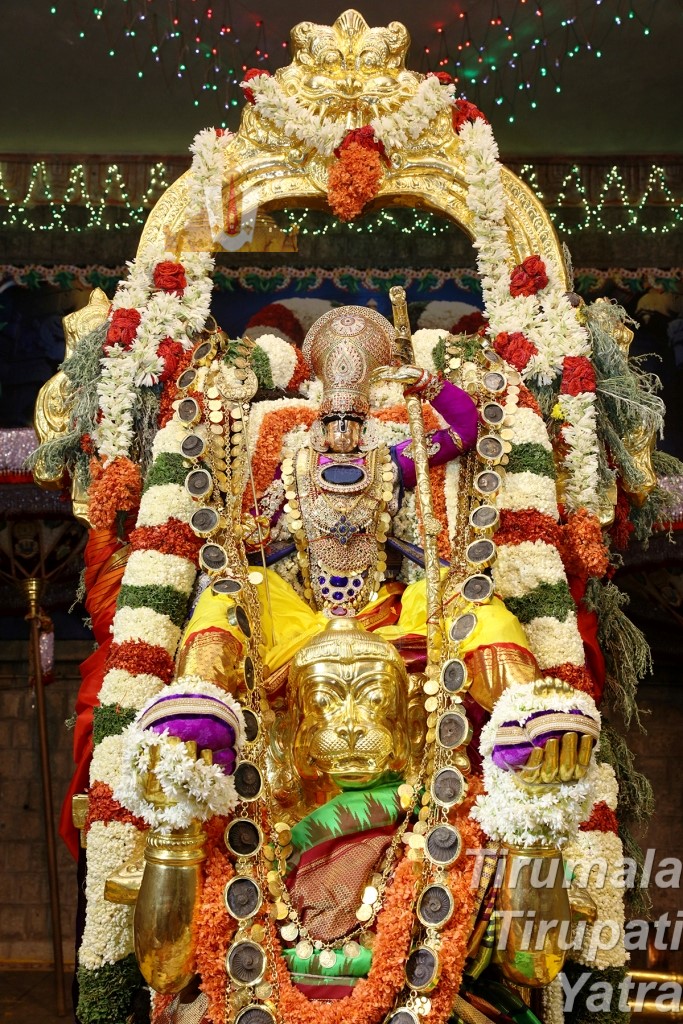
(288, 622)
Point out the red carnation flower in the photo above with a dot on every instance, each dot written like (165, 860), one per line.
(443, 76)
(515, 348)
(578, 375)
(529, 277)
(464, 111)
(365, 137)
(252, 73)
(170, 277)
(122, 328)
(171, 352)
(470, 323)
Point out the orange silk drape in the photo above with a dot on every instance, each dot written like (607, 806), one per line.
(105, 560)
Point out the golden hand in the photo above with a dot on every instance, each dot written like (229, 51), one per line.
(404, 375)
(564, 759)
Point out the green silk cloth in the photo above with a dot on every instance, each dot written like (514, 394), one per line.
(349, 813)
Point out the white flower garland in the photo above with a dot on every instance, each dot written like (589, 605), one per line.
(208, 153)
(292, 118)
(425, 341)
(281, 356)
(323, 136)
(603, 941)
(162, 315)
(414, 115)
(506, 811)
(197, 790)
(520, 568)
(581, 461)
(108, 933)
(547, 319)
(554, 642)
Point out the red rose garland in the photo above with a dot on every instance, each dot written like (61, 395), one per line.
(253, 73)
(464, 111)
(170, 277)
(529, 277)
(514, 348)
(122, 328)
(171, 352)
(578, 376)
(470, 323)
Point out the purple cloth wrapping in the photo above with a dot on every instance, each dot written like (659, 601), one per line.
(208, 731)
(460, 413)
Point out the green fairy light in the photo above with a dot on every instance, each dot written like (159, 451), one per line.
(657, 211)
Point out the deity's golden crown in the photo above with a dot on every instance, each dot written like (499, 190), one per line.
(346, 641)
(343, 347)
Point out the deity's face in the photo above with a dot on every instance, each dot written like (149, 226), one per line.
(352, 721)
(342, 434)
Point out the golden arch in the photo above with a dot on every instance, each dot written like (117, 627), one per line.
(353, 73)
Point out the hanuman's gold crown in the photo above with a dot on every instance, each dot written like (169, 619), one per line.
(343, 347)
(345, 641)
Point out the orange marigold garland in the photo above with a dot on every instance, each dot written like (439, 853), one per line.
(115, 490)
(302, 371)
(272, 432)
(582, 547)
(172, 538)
(455, 936)
(577, 676)
(103, 807)
(212, 925)
(141, 658)
(353, 180)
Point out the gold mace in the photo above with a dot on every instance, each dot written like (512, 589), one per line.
(431, 527)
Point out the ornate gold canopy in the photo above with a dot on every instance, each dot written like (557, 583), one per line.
(351, 73)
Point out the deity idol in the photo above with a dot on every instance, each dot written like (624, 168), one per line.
(293, 764)
(352, 788)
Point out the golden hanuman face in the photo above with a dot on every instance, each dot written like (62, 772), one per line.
(352, 721)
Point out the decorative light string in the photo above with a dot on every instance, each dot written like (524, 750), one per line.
(657, 211)
(42, 212)
(510, 54)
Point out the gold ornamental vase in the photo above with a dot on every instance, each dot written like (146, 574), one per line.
(171, 885)
(533, 916)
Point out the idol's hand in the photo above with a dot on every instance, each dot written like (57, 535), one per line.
(563, 759)
(405, 375)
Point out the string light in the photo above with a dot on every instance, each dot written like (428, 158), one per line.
(111, 210)
(512, 55)
(656, 211)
